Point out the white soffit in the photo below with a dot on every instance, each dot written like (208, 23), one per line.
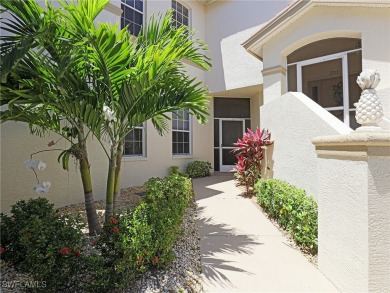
(254, 45)
(206, 2)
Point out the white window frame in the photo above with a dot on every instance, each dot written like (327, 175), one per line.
(344, 59)
(189, 131)
(189, 13)
(143, 155)
(133, 8)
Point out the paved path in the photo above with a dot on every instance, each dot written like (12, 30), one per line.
(241, 249)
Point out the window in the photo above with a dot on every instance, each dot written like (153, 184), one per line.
(181, 133)
(180, 14)
(133, 12)
(326, 71)
(135, 142)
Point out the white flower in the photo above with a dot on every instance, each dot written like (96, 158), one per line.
(41, 188)
(31, 164)
(41, 165)
(46, 184)
(108, 114)
(35, 186)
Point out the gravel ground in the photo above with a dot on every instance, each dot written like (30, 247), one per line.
(183, 275)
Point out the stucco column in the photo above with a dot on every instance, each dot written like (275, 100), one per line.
(354, 210)
(274, 83)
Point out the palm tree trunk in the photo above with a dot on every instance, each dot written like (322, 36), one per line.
(111, 184)
(85, 172)
(118, 174)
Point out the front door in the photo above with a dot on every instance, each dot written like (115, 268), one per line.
(230, 130)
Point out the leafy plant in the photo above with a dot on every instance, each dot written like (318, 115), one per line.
(43, 244)
(97, 77)
(292, 208)
(249, 153)
(198, 169)
(140, 240)
(174, 170)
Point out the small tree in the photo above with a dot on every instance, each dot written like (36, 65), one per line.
(45, 85)
(249, 153)
(99, 80)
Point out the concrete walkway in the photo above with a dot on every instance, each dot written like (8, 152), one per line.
(242, 251)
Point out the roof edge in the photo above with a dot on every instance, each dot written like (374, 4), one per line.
(296, 9)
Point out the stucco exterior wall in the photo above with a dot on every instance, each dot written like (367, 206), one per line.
(17, 182)
(341, 210)
(369, 24)
(293, 120)
(17, 144)
(228, 24)
(353, 210)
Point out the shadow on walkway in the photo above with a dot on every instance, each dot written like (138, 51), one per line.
(219, 238)
(208, 188)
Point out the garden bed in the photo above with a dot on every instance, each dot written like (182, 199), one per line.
(182, 275)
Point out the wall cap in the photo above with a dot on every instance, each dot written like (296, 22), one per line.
(354, 146)
(362, 139)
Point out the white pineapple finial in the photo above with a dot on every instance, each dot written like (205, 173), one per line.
(369, 111)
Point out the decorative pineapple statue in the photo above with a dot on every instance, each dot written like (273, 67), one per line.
(369, 111)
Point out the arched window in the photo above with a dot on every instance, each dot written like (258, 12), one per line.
(326, 71)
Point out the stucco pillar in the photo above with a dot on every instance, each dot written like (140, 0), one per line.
(274, 83)
(354, 210)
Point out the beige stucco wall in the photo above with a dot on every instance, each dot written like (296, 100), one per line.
(293, 120)
(229, 23)
(372, 25)
(354, 218)
(17, 144)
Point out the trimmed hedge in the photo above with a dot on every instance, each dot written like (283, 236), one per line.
(292, 209)
(141, 240)
(198, 169)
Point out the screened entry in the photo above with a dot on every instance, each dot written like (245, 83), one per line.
(231, 119)
(326, 71)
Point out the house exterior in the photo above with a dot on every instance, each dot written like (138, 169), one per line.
(235, 74)
(260, 51)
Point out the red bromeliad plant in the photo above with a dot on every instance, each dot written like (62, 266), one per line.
(249, 153)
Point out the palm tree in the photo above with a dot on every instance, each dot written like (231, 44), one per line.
(155, 85)
(94, 71)
(44, 87)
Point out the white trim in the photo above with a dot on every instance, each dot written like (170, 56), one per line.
(189, 13)
(345, 78)
(334, 108)
(143, 155)
(323, 58)
(299, 78)
(190, 138)
(135, 9)
(345, 88)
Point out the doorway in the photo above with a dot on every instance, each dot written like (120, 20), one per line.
(230, 130)
(231, 119)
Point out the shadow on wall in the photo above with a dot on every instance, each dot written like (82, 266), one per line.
(267, 164)
(230, 242)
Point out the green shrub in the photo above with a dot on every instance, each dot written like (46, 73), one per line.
(43, 244)
(174, 170)
(292, 208)
(138, 240)
(198, 169)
